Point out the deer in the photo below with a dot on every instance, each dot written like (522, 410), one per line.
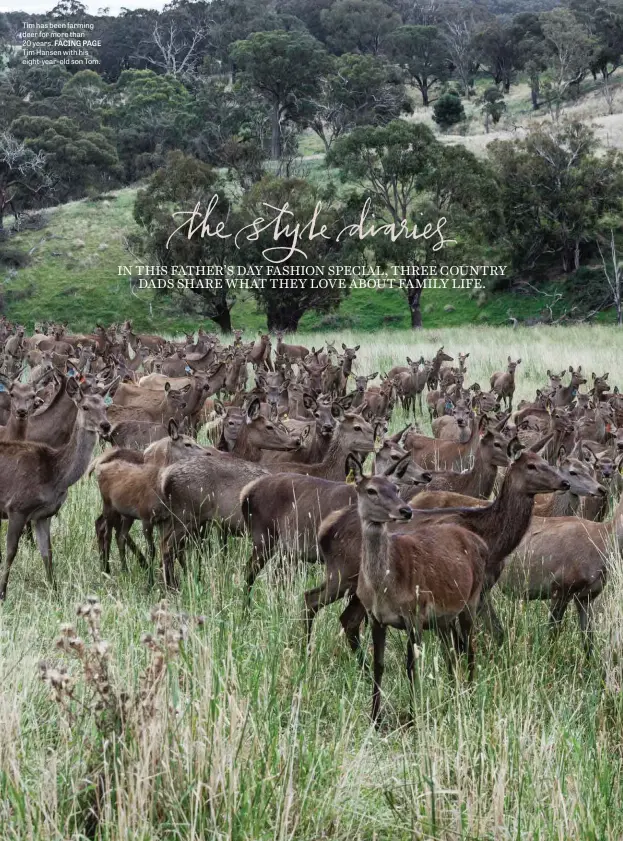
(285, 510)
(292, 352)
(411, 385)
(24, 401)
(478, 481)
(433, 375)
(503, 383)
(454, 426)
(403, 580)
(443, 455)
(127, 482)
(501, 524)
(36, 478)
(564, 395)
(578, 469)
(564, 560)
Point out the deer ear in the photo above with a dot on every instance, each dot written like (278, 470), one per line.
(373, 376)
(398, 468)
(167, 386)
(358, 346)
(308, 401)
(561, 456)
(219, 408)
(173, 430)
(305, 433)
(514, 448)
(253, 410)
(605, 376)
(346, 402)
(343, 346)
(354, 469)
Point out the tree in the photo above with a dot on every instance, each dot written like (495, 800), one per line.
(497, 50)
(359, 26)
(422, 52)
(358, 90)
(555, 188)
(176, 42)
(76, 160)
(23, 174)
(569, 49)
(531, 51)
(284, 309)
(459, 35)
(448, 110)
(283, 67)
(613, 272)
(411, 178)
(178, 187)
(492, 106)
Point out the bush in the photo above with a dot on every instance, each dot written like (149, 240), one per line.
(448, 110)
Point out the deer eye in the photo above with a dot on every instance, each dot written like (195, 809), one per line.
(269, 426)
(187, 444)
(532, 467)
(358, 428)
(371, 492)
(85, 408)
(395, 457)
(498, 446)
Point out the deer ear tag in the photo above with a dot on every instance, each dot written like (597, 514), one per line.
(350, 479)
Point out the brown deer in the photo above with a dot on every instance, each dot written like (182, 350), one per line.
(292, 352)
(565, 394)
(24, 401)
(411, 385)
(501, 523)
(285, 510)
(564, 560)
(128, 483)
(454, 426)
(443, 455)
(503, 383)
(36, 478)
(433, 376)
(405, 583)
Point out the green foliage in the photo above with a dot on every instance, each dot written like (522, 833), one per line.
(78, 161)
(183, 183)
(358, 90)
(284, 309)
(555, 188)
(448, 110)
(359, 26)
(423, 52)
(282, 67)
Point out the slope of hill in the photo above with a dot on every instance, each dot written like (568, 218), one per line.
(72, 276)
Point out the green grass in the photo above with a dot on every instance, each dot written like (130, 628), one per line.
(73, 276)
(252, 740)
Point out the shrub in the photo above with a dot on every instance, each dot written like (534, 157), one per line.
(448, 110)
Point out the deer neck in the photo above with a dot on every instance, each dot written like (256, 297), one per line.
(504, 523)
(244, 446)
(374, 550)
(333, 462)
(73, 458)
(483, 475)
(16, 429)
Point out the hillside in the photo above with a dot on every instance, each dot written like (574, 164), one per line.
(72, 276)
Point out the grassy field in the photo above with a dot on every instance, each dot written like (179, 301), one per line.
(252, 740)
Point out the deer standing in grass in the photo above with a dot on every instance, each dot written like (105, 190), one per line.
(405, 582)
(35, 479)
(503, 383)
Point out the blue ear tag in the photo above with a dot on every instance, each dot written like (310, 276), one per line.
(108, 400)
(574, 392)
(71, 372)
(2, 387)
(188, 369)
(449, 405)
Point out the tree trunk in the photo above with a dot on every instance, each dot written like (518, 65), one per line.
(424, 92)
(413, 297)
(534, 92)
(223, 319)
(283, 318)
(275, 144)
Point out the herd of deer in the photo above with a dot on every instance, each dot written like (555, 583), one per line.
(417, 544)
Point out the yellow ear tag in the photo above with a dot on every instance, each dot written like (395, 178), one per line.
(284, 417)
(350, 479)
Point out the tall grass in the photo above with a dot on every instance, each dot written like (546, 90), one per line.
(254, 740)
